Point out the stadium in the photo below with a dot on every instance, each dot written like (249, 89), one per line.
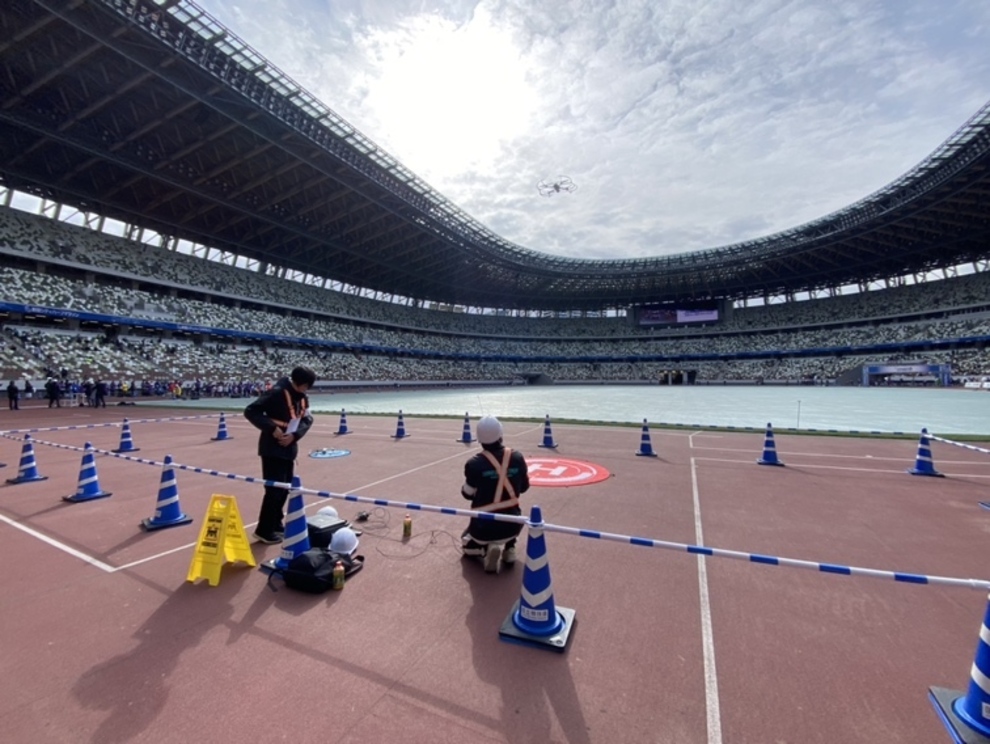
(178, 218)
(263, 221)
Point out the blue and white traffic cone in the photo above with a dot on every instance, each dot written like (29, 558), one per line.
(126, 443)
(645, 446)
(535, 619)
(923, 464)
(400, 428)
(769, 450)
(89, 481)
(222, 434)
(28, 470)
(167, 511)
(548, 435)
(967, 717)
(342, 429)
(296, 539)
(466, 433)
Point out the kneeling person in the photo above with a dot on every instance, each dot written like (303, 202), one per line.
(494, 479)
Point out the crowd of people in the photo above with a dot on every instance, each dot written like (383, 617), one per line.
(268, 323)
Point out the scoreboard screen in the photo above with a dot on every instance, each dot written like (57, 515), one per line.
(648, 315)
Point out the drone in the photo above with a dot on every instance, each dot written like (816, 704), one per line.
(563, 184)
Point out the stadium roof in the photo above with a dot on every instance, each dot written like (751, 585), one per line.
(152, 113)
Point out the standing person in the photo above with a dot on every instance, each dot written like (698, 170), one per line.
(54, 392)
(494, 479)
(100, 394)
(13, 396)
(28, 389)
(282, 415)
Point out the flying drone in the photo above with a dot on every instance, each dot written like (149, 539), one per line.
(563, 184)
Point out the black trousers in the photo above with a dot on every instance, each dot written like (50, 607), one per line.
(273, 504)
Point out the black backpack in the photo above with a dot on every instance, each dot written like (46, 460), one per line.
(312, 570)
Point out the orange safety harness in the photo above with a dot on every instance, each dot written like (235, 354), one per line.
(504, 487)
(292, 410)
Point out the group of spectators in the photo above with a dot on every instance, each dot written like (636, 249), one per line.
(375, 339)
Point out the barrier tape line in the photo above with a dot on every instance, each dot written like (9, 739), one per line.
(960, 444)
(645, 542)
(108, 424)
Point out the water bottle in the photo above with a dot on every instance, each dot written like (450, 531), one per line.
(338, 576)
(407, 526)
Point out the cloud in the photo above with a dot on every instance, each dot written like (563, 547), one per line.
(686, 125)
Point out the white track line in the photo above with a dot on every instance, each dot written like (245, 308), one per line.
(809, 466)
(61, 546)
(792, 453)
(707, 638)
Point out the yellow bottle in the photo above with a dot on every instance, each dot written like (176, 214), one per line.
(338, 575)
(407, 526)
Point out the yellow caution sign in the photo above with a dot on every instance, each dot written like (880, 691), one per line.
(221, 540)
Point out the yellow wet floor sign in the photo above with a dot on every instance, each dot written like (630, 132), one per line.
(221, 540)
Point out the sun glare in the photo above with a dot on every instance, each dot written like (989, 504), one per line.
(448, 94)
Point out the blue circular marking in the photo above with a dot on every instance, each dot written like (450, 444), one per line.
(328, 453)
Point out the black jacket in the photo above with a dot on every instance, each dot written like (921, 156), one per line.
(480, 484)
(272, 410)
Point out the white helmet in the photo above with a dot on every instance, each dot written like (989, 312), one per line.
(344, 541)
(489, 430)
(328, 511)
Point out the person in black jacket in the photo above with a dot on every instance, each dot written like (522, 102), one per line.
(13, 395)
(282, 415)
(54, 392)
(494, 479)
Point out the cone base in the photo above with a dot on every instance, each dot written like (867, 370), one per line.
(340, 433)
(556, 642)
(465, 441)
(28, 479)
(958, 729)
(552, 445)
(152, 524)
(125, 451)
(776, 463)
(77, 497)
(220, 439)
(646, 454)
(931, 473)
(399, 436)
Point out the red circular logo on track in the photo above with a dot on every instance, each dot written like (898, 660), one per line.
(557, 472)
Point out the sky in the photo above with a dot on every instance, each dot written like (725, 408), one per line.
(684, 124)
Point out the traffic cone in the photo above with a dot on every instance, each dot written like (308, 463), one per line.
(769, 450)
(923, 464)
(167, 511)
(400, 429)
(342, 429)
(645, 446)
(296, 538)
(89, 482)
(28, 471)
(967, 717)
(126, 443)
(535, 619)
(466, 433)
(222, 434)
(548, 435)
